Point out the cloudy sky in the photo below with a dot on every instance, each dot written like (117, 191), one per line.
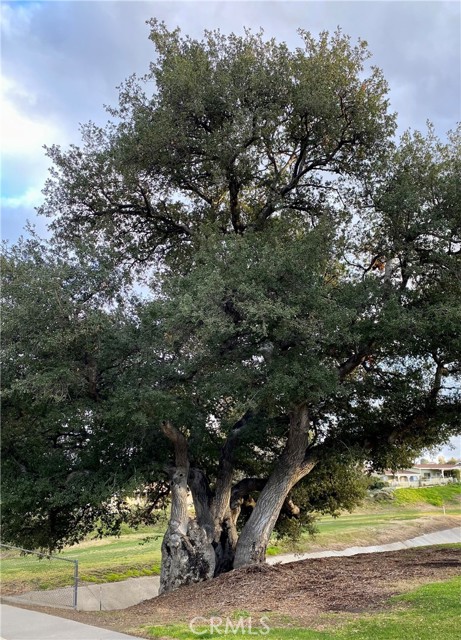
(62, 61)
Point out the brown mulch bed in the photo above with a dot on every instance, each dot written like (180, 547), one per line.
(353, 583)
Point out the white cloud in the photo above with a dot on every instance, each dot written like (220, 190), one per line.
(14, 18)
(450, 450)
(22, 134)
(32, 197)
(24, 164)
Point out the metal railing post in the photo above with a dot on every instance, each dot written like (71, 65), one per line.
(75, 584)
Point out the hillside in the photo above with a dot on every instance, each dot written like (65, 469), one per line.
(437, 496)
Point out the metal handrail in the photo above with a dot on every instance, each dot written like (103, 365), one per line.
(52, 557)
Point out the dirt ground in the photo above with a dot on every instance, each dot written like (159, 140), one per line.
(297, 592)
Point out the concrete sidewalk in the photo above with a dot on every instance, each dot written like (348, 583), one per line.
(437, 537)
(94, 597)
(23, 624)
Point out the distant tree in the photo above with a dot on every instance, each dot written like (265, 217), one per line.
(305, 278)
(441, 459)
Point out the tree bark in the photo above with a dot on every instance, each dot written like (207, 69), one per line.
(198, 549)
(291, 467)
(225, 523)
(218, 522)
(187, 553)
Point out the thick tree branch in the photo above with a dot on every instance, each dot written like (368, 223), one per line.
(201, 496)
(179, 517)
(354, 361)
(223, 490)
(234, 189)
(290, 468)
(437, 383)
(179, 443)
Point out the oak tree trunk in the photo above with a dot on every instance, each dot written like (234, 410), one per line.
(186, 558)
(291, 467)
(187, 553)
(196, 549)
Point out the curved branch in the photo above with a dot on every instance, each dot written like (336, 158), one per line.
(244, 487)
(354, 361)
(226, 467)
(179, 443)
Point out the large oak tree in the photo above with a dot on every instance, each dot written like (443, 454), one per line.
(305, 276)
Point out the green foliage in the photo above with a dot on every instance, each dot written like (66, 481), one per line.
(75, 440)
(213, 148)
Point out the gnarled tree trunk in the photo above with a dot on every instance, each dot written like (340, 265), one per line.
(198, 549)
(291, 467)
(187, 553)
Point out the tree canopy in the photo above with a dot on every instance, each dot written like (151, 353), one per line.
(73, 434)
(304, 306)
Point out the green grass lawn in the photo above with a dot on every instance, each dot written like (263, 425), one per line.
(117, 558)
(106, 560)
(360, 527)
(436, 496)
(431, 611)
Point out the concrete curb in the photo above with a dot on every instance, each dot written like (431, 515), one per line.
(95, 597)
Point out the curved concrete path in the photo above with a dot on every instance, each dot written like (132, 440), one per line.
(23, 624)
(436, 537)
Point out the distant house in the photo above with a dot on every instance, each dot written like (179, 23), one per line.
(420, 475)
